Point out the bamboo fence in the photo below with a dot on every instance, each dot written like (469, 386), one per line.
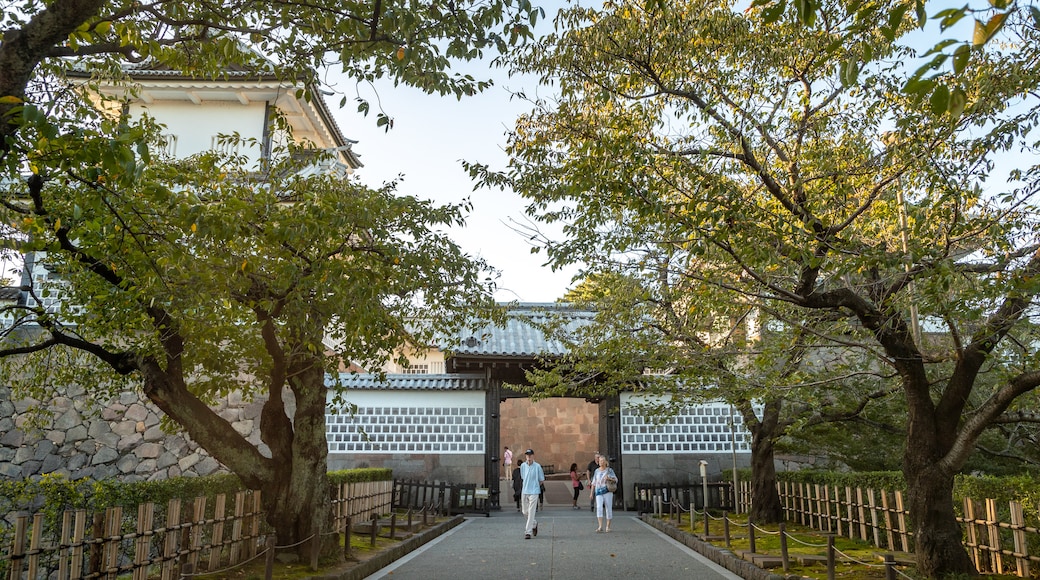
(999, 539)
(199, 535)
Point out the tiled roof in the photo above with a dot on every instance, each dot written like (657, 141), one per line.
(10, 293)
(522, 335)
(416, 382)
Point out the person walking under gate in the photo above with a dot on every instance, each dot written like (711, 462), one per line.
(532, 475)
(589, 471)
(603, 494)
(507, 463)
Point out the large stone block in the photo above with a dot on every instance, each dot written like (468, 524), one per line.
(76, 434)
(136, 412)
(148, 450)
(13, 438)
(103, 456)
(127, 463)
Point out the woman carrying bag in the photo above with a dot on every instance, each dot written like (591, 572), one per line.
(604, 483)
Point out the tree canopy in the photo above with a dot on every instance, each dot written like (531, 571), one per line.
(731, 159)
(194, 278)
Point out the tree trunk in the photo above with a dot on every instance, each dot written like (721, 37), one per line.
(765, 499)
(938, 545)
(296, 498)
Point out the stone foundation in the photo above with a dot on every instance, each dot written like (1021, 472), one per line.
(121, 440)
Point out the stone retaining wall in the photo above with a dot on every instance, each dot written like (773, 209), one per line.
(122, 439)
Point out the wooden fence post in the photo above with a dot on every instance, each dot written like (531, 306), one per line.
(269, 559)
(830, 557)
(346, 540)
(993, 527)
(35, 541)
(904, 533)
(79, 532)
(113, 531)
(875, 529)
(97, 533)
(851, 521)
(236, 528)
(751, 536)
(888, 521)
(143, 542)
(217, 536)
(971, 538)
(1018, 524)
(890, 567)
(861, 509)
(195, 537)
(21, 524)
(783, 548)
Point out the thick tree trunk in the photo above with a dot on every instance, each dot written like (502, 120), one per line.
(296, 497)
(765, 499)
(938, 544)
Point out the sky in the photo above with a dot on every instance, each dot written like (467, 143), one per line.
(430, 137)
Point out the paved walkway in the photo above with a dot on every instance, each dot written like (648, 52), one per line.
(566, 547)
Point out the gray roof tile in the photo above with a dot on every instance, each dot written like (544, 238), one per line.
(522, 335)
(412, 382)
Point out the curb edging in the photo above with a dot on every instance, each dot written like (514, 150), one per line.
(384, 559)
(720, 556)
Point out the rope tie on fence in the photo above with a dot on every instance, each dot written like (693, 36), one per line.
(788, 534)
(849, 558)
(869, 565)
(764, 531)
(307, 539)
(212, 572)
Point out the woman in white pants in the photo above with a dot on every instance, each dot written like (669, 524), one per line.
(604, 497)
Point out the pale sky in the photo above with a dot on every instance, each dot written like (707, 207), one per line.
(431, 135)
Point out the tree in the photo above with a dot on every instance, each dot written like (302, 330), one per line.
(193, 288)
(650, 337)
(196, 279)
(851, 211)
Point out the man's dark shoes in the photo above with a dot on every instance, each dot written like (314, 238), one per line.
(535, 530)
(527, 536)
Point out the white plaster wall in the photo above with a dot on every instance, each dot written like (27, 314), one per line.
(406, 399)
(196, 125)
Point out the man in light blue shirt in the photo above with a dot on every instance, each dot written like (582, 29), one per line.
(532, 475)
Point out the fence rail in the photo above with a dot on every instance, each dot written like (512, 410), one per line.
(720, 495)
(198, 535)
(998, 538)
(447, 498)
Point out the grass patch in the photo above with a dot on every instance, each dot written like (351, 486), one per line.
(361, 549)
(854, 559)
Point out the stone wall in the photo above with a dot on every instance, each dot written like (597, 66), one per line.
(121, 440)
(560, 430)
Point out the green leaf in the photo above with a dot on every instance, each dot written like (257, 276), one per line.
(922, 13)
(849, 72)
(806, 11)
(940, 99)
(958, 102)
(960, 58)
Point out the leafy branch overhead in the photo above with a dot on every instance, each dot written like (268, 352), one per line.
(939, 79)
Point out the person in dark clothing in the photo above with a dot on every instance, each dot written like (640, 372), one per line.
(517, 483)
